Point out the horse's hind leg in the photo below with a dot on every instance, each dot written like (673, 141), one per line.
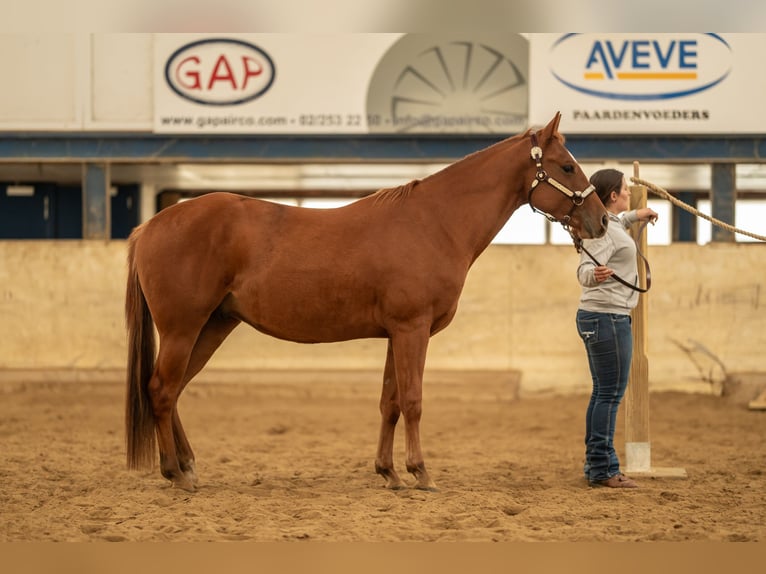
(210, 338)
(183, 449)
(165, 386)
(389, 413)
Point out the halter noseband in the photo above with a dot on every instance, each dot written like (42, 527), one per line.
(577, 197)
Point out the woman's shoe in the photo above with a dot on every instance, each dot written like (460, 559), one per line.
(616, 481)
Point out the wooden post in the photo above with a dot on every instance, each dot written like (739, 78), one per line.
(759, 402)
(638, 454)
(637, 445)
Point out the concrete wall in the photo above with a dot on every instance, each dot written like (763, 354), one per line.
(61, 313)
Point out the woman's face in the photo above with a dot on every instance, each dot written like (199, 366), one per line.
(621, 198)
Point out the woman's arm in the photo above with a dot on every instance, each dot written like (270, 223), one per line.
(635, 215)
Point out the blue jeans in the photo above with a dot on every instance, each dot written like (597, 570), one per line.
(609, 343)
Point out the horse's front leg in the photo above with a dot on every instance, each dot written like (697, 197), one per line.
(409, 348)
(389, 415)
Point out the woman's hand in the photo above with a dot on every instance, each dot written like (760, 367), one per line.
(602, 273)
(646, 214)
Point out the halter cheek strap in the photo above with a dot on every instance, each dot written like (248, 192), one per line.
(577, 197)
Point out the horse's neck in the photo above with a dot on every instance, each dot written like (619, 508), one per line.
(476, 196)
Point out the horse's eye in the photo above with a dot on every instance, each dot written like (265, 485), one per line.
(569, 169)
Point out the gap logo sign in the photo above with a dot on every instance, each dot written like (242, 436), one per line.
(219, 72)
(640, 66)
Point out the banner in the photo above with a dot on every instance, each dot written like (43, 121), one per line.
(649, 83)
(480, 83)
(341, 83)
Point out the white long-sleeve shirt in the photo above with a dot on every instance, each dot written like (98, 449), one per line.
(616, 250)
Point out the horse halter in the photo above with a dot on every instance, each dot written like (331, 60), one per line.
(577, 197)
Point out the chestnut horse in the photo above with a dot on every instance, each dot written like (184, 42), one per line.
(390, 265)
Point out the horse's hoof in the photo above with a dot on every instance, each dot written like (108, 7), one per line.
(393, 482)
(190, 472)
(427, 487)
(184, 484)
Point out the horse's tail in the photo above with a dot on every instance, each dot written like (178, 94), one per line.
(139, 416)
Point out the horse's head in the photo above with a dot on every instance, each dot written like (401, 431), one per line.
(560, 190)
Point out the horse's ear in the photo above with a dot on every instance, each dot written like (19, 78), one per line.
(555, 121)
(552, 128)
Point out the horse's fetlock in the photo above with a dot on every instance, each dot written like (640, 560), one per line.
(167, 473)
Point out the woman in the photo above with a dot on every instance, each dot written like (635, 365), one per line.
(604, 324)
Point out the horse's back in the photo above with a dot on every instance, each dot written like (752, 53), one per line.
(300, 274)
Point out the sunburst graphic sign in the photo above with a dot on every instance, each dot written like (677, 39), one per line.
(449, 84)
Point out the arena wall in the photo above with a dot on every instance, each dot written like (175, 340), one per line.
(61, 305)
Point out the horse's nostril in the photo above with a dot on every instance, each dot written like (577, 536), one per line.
(604, 221)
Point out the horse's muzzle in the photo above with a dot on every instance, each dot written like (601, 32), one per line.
(595, 228)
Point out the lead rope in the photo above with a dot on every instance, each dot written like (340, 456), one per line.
(580, 247)
(678, 203)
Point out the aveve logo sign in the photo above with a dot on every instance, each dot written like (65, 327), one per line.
(640, 66)
(219, 72)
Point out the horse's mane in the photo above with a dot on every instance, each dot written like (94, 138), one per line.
(395, 193)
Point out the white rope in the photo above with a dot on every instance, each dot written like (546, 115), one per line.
(677, 202)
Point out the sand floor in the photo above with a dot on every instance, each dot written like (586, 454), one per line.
(293, 461)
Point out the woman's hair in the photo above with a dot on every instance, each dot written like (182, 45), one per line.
(606, 181)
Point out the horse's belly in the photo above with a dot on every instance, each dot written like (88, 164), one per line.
(306, 330)
(324, 335)
(311, 320)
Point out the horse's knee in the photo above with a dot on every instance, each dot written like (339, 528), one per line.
(412, 409)
(390, 412)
